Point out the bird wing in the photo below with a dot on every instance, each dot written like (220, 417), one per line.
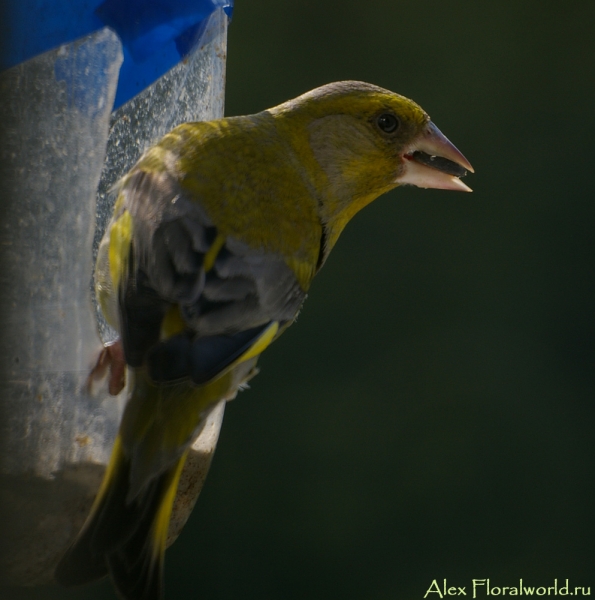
(194, 309)
(191, 300)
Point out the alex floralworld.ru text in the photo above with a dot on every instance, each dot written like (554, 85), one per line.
(482, 587)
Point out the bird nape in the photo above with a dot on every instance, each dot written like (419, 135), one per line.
(216, 235)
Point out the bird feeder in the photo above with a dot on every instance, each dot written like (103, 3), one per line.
(81, 97)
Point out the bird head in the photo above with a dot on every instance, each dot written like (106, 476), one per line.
(361, 141)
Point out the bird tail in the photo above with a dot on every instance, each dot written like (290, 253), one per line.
(122, 537)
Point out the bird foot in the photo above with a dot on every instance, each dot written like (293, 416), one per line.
(111, 359)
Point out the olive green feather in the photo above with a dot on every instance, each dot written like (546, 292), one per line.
(216, 235)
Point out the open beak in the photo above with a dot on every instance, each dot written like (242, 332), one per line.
(432, 161)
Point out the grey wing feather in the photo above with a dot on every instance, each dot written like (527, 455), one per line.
(245, 289)
(171, 235)
(271, 290)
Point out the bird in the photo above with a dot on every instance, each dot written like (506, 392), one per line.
(216, 235)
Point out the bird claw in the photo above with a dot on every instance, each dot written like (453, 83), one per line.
(111, 358)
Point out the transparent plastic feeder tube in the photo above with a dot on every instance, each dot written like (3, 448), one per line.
(61, 151)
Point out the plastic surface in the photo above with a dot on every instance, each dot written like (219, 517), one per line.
(57, 128)
(52, 156)
(155, 34)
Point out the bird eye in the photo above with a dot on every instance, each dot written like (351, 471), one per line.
(387, 122)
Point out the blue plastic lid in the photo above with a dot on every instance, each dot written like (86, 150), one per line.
(155, 34)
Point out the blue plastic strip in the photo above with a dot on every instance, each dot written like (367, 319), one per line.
(156, 34)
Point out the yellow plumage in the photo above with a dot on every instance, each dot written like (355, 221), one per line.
(216, 235)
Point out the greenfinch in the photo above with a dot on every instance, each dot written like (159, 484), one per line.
(216, 235)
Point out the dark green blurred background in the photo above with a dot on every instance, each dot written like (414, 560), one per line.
(431, 414)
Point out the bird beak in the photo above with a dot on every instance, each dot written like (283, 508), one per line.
(432, 161)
